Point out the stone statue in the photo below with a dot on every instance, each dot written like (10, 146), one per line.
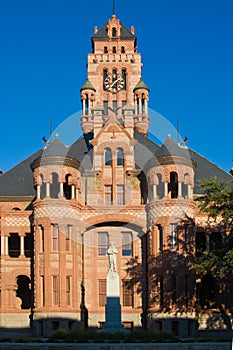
(112, 251)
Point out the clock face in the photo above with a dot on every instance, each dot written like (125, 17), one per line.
(114, 84)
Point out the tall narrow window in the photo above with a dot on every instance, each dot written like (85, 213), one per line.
(120, 157)
(102, 292)
(54, 187)
(67, 187)
(127, 293)
(160, 238)
(120, 194)
(103, 243)
(114, 49)
(108, 157)
(160, 290)
(174, 288)
(55, 290)
(173, 236)
(114, 32)
(173, 185)
(55, 236)
(114, 106)
(105, 49)
(105, 75)
(68, 237)
(122, 49)
(28, 245)
(127, 244)
(41, 230)
(14, 245)
(68, 290)
(108, 194)
(42, 290)
(105, 107)
(114, 73)
(187, 290)
(124, 78)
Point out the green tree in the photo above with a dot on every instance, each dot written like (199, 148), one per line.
(217, 202)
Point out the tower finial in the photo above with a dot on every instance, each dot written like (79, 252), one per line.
(113, 7)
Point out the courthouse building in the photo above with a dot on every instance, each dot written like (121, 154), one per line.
(62, 207)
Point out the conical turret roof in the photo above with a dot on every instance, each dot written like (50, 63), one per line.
(141, 85)
(87, 86)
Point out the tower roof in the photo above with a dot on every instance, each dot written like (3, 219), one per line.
(141, 85)
(103, 33)
(87, 86)
(170, 148)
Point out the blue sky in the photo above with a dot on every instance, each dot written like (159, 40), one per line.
(187, 52)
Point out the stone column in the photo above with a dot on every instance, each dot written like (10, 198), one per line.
(21, 245)
(140, 106)
(2, 245)
(165, 189)
(146, 106)
(73, 192)
(6, 245)
(154, 191)
(83, 103)
(89, 106)
(47, 189)
(61, 193)
(38, 192)
(179, 189)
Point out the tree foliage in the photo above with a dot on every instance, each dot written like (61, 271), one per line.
(217, 203)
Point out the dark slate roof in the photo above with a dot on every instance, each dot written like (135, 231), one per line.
(18, 181)
(144, 150)
(171, 148)
(82, 151)
(206, 170)
(103, 33)
(56, 148)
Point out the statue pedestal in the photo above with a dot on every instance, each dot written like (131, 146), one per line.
(113, 307)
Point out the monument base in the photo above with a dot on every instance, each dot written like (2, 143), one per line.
(113, 307)
(113, 316)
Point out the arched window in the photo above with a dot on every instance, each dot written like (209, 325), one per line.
(120, 157)
(114, 73)
(114, 49)
(67, 188)
(173, 185)
(24, 291)
(107, 157)
(105, 49)
(123, 73)
(54, 188)
(105, 74)
(42, 188)
(122, 49)
(114, 32)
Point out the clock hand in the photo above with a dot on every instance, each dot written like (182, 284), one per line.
(115, 82)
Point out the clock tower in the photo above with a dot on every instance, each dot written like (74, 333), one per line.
(114, 78)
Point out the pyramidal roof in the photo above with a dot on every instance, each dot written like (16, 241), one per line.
(171, 148)
(124, 33)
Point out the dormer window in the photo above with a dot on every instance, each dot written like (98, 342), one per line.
(114, 32)
(114, 49)
(105, 49)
